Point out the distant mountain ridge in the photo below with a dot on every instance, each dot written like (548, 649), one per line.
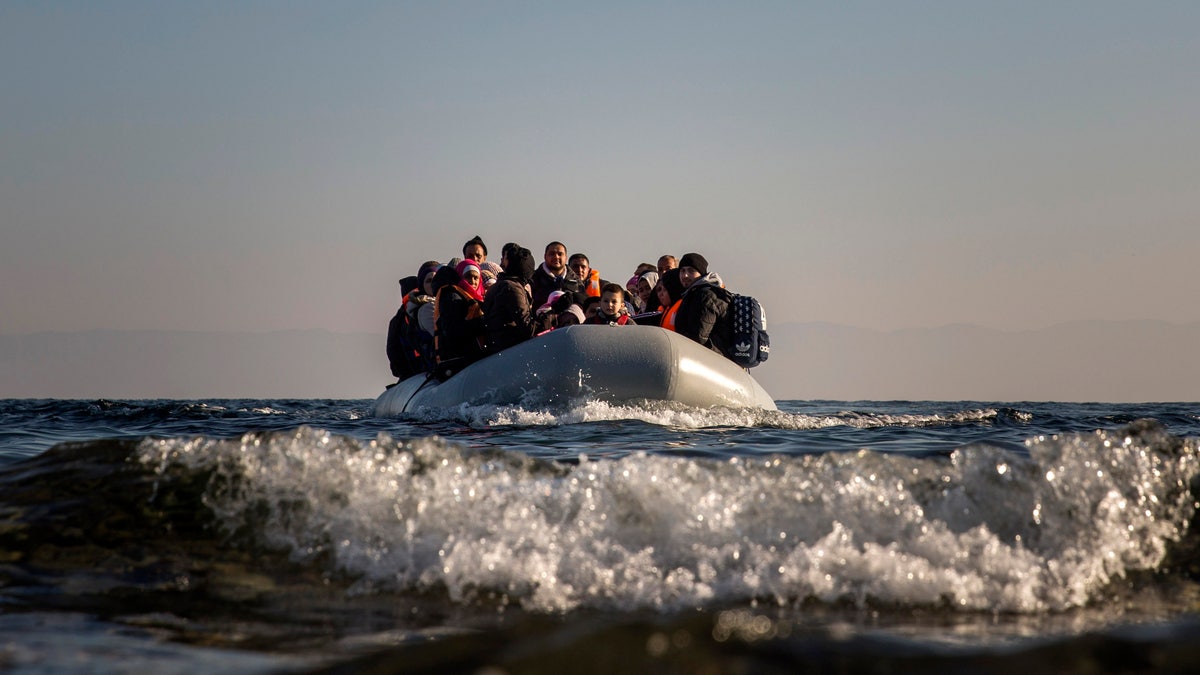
(183, 365)
(1126, 361)
(1122, 361)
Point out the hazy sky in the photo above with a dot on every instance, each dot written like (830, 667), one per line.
(261, 166)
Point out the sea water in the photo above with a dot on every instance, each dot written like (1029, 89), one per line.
(301, 535)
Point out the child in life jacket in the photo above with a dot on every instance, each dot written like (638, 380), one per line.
(611, 309)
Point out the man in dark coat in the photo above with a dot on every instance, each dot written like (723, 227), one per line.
(703, 312)
(553, 275)
(508, 310)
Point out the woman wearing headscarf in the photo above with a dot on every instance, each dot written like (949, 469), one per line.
(460, 334)
(645, 292)
(419, 307)
(670, 293)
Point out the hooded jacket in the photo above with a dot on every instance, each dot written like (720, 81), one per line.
(427, 313)
(702, 314)
(508, 307)
(403, 357)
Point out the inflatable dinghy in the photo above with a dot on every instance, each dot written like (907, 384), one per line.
(606, 363)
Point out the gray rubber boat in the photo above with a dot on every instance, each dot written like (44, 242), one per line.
(606, 363)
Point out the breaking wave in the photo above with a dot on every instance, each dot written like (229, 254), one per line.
(667, 414)
(980, 529)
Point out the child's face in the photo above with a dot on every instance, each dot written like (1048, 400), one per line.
(610, 302)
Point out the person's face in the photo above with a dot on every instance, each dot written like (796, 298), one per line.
(610, 303)
(475, 252)
(556, 258)
(666, 263)
(428, 284)
(644, 290)
(472, 277)
(664, 298)
(581, 267)
(688, 275)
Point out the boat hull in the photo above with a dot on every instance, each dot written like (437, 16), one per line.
(606, 363)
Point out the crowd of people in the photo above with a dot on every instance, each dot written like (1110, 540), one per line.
(456, 313)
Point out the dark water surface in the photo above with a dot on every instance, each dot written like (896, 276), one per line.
(307, 535)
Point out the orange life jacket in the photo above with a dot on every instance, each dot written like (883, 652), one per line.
(668, 317)
(591, 285)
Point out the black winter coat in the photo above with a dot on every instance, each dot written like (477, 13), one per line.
(703, 315)
(401, 355)
(543, 284)
(508, 314)
(460, 330)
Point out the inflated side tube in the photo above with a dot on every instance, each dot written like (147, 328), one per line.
(606, 363)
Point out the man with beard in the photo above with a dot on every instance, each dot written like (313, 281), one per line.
(553, 274)
(703, 312)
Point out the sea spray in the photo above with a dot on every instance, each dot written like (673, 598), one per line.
(982, 529)
(675, 415)
(163, 530)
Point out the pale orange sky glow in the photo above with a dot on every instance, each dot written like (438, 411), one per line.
(256, 167)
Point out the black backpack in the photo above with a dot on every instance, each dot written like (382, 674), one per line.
(750, 345)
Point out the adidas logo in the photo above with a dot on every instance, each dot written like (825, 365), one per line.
(742, 347)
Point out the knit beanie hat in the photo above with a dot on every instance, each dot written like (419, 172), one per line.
(520, 264)
(445, 276)
(696, 262)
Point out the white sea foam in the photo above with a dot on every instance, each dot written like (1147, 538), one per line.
(985, 529)
(674, 415)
